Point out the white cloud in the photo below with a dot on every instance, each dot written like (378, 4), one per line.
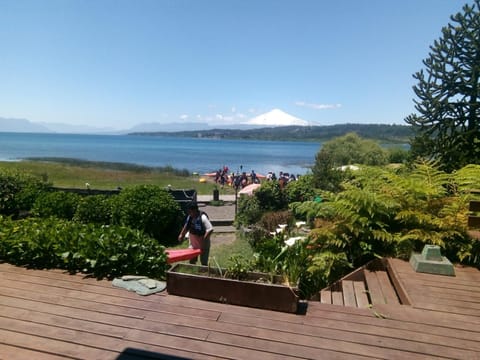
(221, 119)
(184, 116)
(234, 109)
(318, 106)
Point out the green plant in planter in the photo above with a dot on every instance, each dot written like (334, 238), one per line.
(239, 268)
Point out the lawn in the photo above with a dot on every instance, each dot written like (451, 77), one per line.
(106, 176)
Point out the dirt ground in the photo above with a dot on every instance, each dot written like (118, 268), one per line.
(224, 212)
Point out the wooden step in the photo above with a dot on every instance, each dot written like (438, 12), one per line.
(380, 288)
(352, 293)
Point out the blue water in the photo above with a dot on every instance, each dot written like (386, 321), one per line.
(195, 154)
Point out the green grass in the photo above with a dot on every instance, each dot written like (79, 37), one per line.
(220, 254)
(63, 172)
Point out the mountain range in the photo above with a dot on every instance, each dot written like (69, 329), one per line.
(273, 118)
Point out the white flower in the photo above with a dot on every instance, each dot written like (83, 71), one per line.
(282, 226)
(273, 233)
(280, 230)
(87, 185)
(291, 241)
(300, 223)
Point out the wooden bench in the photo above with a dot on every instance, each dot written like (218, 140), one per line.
(473, 222)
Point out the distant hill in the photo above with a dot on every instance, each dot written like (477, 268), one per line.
(21, 125)
(27, 126)
(379, 132)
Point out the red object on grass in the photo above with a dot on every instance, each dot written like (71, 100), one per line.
(181, 254)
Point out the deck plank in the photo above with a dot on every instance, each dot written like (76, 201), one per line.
(361, 294)
(387, 288)
(348, 293)
(50, 314)
(373, 287)
(326, 296)
(337, 298)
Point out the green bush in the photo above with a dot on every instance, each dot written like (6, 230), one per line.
(104, 251)
(60, 204)
(397, 155)
(248, 210)
(94, 209)
(18, 191)
(271, 197)
(300, 190)
(151, 209)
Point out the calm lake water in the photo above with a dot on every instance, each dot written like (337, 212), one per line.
(195, 154)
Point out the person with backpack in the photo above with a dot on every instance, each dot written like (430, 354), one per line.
(199, 229)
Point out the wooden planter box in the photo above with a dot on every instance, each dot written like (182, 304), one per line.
(205, 283)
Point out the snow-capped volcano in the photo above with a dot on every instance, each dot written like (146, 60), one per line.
(276, 117)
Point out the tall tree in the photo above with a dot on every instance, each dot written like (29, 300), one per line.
(447, 126)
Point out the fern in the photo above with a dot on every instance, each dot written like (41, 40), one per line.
(467, 178)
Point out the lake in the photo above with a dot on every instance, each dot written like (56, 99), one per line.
(195, 154)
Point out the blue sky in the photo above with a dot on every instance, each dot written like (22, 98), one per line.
(117, 63)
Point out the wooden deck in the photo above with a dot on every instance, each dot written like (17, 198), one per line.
(53, 315)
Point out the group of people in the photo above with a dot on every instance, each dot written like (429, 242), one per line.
(283, 178)
(239, 180)
(242, 179)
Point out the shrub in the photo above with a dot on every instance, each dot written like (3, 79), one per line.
(271, 197)
(300, 190)
(248, 210)
(397, 155)
(271, 220)
(94, 209)
(104, 251)
(151, 209)
(60, 204)
(18, 191)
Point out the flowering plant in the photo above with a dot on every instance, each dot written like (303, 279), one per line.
(291, 253)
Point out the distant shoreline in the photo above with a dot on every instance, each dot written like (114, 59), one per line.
(383, 133)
